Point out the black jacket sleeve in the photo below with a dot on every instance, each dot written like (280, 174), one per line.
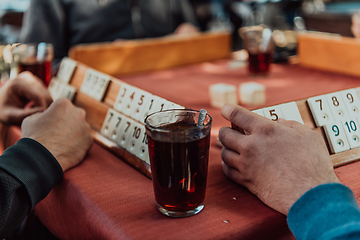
(28, 171)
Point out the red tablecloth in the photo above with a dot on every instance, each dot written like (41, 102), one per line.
(104, 198)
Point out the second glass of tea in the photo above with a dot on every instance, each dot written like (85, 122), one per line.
(179, 154)
(36, 58)
(260, 46)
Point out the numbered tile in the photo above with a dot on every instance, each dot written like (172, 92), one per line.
(92, 87)
(273, 113)
(146, 155)
(259, 112)
(68, 92)
(107, 121)
(320, 110)
(290, 111)
(134, 139)
(112, 125)
(336, 137)
(175, 106)
(101, 86)
(53, 88)
(120, 98)
(129, 100)
(66, 69)
(162, 105)
(87, 81)
(143, 152)
(115, 127)
(125, 131)
(149, 107)
(95, 84)
(58, 89)
(337, 106)
(351, 128)
(351, 101)
(139, 103)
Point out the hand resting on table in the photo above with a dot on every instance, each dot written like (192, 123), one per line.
(277, 161)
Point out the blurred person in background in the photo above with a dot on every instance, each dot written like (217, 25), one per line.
(66, 23)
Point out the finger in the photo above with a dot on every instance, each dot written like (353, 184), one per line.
(233, 173)
(16, 115)
(355, 30)
(235, 127)
(232, 139)
(36, 93)
(355, 19)
(242, 117)
(40, 96)
(230, 158)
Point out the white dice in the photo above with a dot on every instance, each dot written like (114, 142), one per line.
(221, 94)
(252, 93)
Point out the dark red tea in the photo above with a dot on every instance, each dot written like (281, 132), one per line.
(40, 69)
(179, 170)
(259, 63)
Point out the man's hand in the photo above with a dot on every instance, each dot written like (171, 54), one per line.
(25, 89)
(355, 27)
(62, 130)
(277, 161)
(186, 28)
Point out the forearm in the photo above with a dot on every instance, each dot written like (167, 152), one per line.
(329, 211)
(27, 174)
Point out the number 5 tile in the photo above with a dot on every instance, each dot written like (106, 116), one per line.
(273, 113)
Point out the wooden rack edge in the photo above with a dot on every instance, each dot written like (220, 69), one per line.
(96, 112)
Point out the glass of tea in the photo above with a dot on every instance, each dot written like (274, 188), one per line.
(179, 154)
(260, 46)
(36, 58)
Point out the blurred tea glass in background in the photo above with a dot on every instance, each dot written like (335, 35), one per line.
(178, 142)
(8, 68)
(258, 42)
(36, 58)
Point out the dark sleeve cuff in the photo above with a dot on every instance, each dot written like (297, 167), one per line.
(34, 166)
(324, 211)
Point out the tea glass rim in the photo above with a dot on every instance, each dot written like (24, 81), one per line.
(32, 44)
(17, 49)
(161, 129)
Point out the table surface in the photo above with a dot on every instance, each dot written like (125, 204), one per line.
(104, 198)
